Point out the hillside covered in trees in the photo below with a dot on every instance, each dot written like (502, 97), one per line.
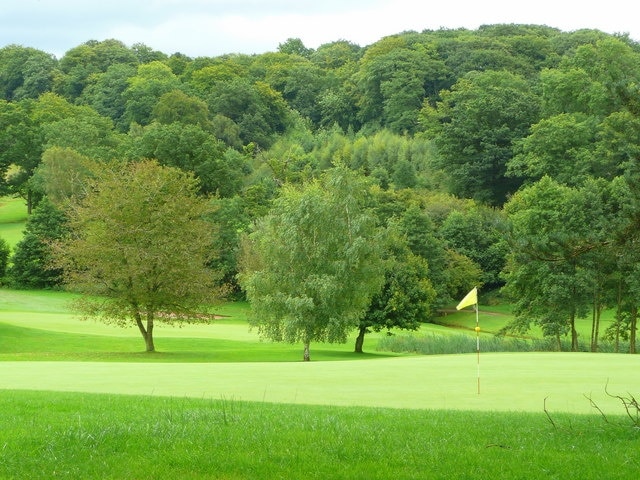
(506, 157)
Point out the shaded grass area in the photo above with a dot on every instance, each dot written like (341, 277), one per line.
(38, 325)
(63, 435)
(31, 344)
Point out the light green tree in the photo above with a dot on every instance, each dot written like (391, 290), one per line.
(139, 248)
(313, 263)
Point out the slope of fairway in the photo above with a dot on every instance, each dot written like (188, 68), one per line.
(509, 382)
(13, 217)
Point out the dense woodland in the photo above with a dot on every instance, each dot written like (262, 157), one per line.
(506, 157)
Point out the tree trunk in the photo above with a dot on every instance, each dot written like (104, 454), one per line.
(595, 327)
(147, 333)
(306, 356)
(597, 334)
(618, 316)
(633, 325)
(574, 333)
(360, 339)
(29, 201)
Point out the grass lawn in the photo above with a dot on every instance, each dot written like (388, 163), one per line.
(13, 216)
(60, 435)
(81, 400)
(226, 359)
(509, 382)
(71, 436)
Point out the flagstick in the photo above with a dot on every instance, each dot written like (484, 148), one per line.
(471, 298)
(478, 343)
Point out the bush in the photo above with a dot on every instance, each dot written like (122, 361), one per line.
(453, 344)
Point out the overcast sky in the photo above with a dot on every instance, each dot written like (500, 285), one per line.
(214, 27)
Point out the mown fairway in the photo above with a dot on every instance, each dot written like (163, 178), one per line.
(227, 360)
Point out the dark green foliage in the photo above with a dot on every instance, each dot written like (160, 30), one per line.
(31, 261)
(479, 122)
(25, 72)
(479, 235)
(192, 149)
(406, 298)
(5, 251)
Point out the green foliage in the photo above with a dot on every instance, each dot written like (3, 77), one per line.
(192, 149)
(140, 241)
(63, 175)
(5, 251)
(478, 234)
(406, 297)
(553, 266)
(80, 64)
(480, 120)
(313, 263)
(32, 257)
(477, 113)
(145, 89)
(177, 106)
(25, 72)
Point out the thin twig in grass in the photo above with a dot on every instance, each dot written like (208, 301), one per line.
(547, 414)
(595, 405)
(630, 405)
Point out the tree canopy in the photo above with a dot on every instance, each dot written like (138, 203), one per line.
(313, 263)
(139, 248)
(455, 133)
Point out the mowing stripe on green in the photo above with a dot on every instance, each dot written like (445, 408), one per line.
(509, 381)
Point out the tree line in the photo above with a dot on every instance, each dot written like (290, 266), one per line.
(504, 157)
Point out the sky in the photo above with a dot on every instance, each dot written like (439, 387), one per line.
(215, 27)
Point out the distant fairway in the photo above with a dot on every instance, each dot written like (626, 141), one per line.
(13, 217)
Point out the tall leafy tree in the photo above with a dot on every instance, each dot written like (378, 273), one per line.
(192, 149)
(478, 234)
(104, 93)
(145, 90)
(396, 74)
(550, 274)
(63, 174)
(80, 64)
(406, 297)
(5, 252)
(25, 72)
(32, 257)
(139, 249)
(313, 263)
(476, 126)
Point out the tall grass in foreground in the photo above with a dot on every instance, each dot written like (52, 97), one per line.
(63, 435)
(435, 344)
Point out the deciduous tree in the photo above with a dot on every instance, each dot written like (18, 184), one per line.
(313, 264)
(139, 249)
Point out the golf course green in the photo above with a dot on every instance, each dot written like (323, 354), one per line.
(508, 382)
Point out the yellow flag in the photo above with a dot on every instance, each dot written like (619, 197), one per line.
(470, 298)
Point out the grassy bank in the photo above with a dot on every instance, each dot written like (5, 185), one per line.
(45, 435)
(13, 217)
